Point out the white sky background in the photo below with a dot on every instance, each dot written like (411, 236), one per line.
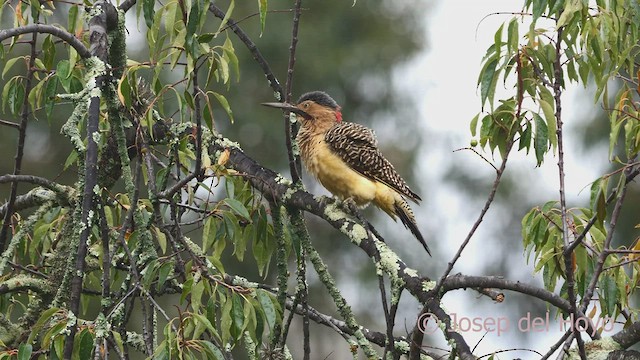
(443, 80)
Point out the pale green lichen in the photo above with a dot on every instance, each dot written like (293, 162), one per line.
(596, 350)
(276, 94)
(287, 353)
(402, 346)
(226, 143)
(358, 233)
(92, 12)
(282, 180)
(388, 260)
(70, 128)
(71, 322)
(293, 118)
(428, 285)
(333, 212)
(249, 345)
(95, 93)
(102, 326)
(242, 282)
(295, 149)
(411, 272)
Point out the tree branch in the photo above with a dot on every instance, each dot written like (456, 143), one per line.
(99, 43)
(48, 29)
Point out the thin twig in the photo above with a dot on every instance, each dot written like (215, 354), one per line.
(604, 254)
(22, 134)
(253, 49)
(475, 226)
(292, 128)
(568, 256)
(10, 124)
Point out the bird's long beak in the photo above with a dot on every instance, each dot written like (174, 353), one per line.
(288, 107)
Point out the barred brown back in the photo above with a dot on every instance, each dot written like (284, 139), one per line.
(357, 146)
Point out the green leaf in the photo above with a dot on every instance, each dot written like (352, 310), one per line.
(163, 274)
(525, 138)
(608, 294)
(44, 318)
(35, 9)
(63, 72)
(513, 37)
(162, 239)
(486, 79)
(270, 313)
(211, 350)
(193, 19)
(24, 351)
(238, 208)
(50, 94)
(85, 348)
(262, 7)
(226, 321)
(118, 340)
(208, 233)
(547, 110)
(224, 103)
(547, 103)
(232, 4)
(230, 56)
(238, 314)
(71, 159)
(541, 139)
(473, 126)
(196, 295)
(186, 289)
(72, 19)
(9, 64)
(570, 8)
(35, 95)
(538, 8)
(148, 11)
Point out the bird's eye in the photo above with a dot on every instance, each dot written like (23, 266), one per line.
(306, 105)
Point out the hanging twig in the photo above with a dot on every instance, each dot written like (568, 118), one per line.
(22, 135)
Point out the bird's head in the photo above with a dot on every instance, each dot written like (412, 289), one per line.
(313, 106)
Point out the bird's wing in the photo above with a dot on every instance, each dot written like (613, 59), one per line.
(357, 146)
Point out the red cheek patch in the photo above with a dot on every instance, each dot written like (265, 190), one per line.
(338, 116)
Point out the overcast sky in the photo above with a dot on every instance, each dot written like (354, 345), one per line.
(443, 79)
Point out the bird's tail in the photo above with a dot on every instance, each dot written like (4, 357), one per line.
(404, 212)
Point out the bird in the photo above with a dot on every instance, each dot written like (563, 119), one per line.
(344, 157)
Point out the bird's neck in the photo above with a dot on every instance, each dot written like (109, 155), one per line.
(312, 131)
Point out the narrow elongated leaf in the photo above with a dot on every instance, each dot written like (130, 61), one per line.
(148, 11)
(541, 139)
(224, 103)
(9, 64)
(486, 79)
(238, 208)
(262, 8)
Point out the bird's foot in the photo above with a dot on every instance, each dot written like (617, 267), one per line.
(324, 200)
(350, 205)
